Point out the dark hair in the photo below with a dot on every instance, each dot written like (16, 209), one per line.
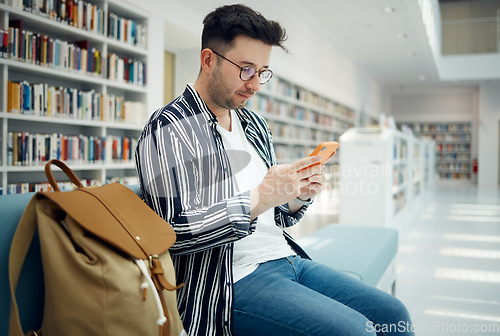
(221, 26)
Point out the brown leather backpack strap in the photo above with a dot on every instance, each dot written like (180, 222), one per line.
(69, 173)
(158, 274)
(18, 250)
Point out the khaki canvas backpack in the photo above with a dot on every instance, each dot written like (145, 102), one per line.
(106, 265)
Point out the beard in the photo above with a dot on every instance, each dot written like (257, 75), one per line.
(222, 95)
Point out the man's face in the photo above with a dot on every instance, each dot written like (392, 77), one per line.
(226, 90)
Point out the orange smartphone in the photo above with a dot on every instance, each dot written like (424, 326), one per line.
(325, 150)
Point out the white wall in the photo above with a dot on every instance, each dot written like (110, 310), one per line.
(434, 105)
(469, 67)
(187, 67)
(489, 119)
(155, 65)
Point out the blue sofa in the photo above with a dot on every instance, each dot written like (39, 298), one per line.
(30, 288)
(367, 253)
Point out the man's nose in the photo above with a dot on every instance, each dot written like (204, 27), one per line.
(254, 83)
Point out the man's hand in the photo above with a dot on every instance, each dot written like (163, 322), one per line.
(303, 178)
(315, 185)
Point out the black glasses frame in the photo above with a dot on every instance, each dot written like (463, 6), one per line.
(248, 67)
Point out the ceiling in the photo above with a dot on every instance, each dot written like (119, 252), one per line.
(391, 47)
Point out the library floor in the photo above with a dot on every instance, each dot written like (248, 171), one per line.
(448, 260)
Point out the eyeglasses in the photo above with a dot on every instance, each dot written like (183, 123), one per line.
(249, 72)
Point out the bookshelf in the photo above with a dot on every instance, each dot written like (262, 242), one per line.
(421, 164)
(74, 87)
(429, 165)
(401, 167)
(383, 171)
(300, 119)
(453, 147)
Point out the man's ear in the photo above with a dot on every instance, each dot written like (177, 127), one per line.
(208, 60)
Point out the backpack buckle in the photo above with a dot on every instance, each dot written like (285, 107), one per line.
(151, 257)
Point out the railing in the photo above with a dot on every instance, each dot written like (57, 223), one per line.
(471, 36)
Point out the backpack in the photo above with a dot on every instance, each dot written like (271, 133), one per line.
(106, 265)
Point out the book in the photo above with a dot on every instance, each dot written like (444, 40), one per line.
(17, 25)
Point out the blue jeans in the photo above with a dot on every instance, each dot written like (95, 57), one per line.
(296, 296)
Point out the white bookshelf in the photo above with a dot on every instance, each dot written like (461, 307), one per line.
(430, 171)
(382, 173)
(121, 83)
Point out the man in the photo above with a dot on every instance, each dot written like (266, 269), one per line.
(207, 165)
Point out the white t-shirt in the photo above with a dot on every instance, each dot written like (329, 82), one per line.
(248, 167)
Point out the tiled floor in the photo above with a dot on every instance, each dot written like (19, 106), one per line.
(449, 258)
(449, 262)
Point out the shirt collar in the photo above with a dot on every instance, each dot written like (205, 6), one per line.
(190, 92)
(199, 104)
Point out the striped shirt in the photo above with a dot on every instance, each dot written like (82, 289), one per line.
(186, 178)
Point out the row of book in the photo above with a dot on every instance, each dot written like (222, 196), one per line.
(42, 99)
(76, 13)
(20, 188)
(87, 16)
(126, 30)
(452, 147)
(454, 167)
(451, 137)
(126, 70)
(271, 106)
(299, 133)
(399, 177)
(454, 176)
(453, 156)
(287, 154)
(31, 149)
(440, 127)
(400, 150)
(40, 49)
(288, 89)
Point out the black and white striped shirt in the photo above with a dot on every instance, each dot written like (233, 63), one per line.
(186, 178)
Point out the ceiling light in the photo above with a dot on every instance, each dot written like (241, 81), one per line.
(388, 10)
(421, 77)
(411, 53)
(401, 36)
